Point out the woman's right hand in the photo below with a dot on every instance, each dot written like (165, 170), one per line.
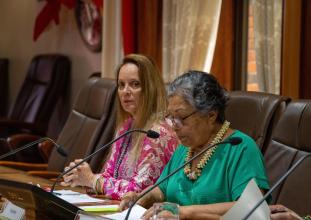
(127, 200)
(67, 179)
(79, 176)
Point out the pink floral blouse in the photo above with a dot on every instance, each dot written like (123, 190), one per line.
(138, 175)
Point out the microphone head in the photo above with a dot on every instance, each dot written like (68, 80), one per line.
(152, 134)
(235, 140)
(61, 150)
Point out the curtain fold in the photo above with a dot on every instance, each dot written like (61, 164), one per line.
(189, 35)
(130, 27)
(268, 35)
(112, 49)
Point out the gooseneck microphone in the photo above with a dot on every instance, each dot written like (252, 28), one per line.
(149, 133)
(59, 148)
(233, 141)
(276, 185)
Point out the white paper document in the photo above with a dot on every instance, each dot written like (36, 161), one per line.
(75, 197)
(249, 198)
(11, 211)
(136, 213)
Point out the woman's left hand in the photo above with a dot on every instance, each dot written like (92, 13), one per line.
(148, 214)
(163, 214)
(80, 176)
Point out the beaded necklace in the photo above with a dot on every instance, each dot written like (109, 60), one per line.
(124, 147)
(207, 156)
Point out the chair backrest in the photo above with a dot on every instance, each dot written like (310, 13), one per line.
(46, 80)
(98, 161)
(290, 140)
(253, 113)
(90, 117)
(4, 82)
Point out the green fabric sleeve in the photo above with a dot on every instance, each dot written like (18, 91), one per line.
(248, 165)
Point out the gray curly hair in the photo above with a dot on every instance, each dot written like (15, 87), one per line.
(202, 91)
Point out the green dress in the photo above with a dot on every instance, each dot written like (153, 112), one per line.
(224, 177)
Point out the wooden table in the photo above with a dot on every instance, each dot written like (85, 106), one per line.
(18, 176)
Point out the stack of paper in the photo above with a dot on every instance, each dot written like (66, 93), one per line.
(75, 197)
(136, 213)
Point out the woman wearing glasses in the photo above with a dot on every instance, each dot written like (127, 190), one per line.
(209, 185)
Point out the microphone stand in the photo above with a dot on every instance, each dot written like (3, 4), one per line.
(31, 144)
(233, 141)
(275, 186)
(150, 133)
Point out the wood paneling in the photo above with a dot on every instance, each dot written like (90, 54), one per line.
(305, 67)
(290, 73)
(222, 66)
(149, 29)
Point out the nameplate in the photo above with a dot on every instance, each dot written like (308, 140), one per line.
(12, 211)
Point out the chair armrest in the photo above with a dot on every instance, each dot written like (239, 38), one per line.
(17, 140)
(45, 174)
(4, 146)
(45, 149)
(24, 166)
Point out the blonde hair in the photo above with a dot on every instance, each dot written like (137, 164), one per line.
(152, 101)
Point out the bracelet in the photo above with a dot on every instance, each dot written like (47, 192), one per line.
(99, 185)
(95, 182)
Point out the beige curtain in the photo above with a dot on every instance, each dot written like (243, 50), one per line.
(112, 50)
(189, 35)
(268, 35)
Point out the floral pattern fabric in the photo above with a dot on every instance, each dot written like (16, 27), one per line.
(137, 175)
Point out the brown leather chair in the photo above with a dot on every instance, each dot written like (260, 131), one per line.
(46, 81)
(98, 161)
(91, 118)
(290, 140)
(99, 119)
(4, 86)
(254, 113)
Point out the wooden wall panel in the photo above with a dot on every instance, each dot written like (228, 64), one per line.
(149, 29)
(222, 66)
(290, 73)
(305, 66)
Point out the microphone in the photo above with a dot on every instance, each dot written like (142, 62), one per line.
(149, 133)
(59, 148)
(152, 134)
(232, 141)
(276, 185)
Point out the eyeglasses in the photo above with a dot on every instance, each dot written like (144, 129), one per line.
(177, 122)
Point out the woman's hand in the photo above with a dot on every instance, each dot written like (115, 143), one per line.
(279, 212)
(165, 214)
(148, 214)
(127, 200)
(80, 176)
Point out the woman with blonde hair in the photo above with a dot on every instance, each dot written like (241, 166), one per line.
(136, 161)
